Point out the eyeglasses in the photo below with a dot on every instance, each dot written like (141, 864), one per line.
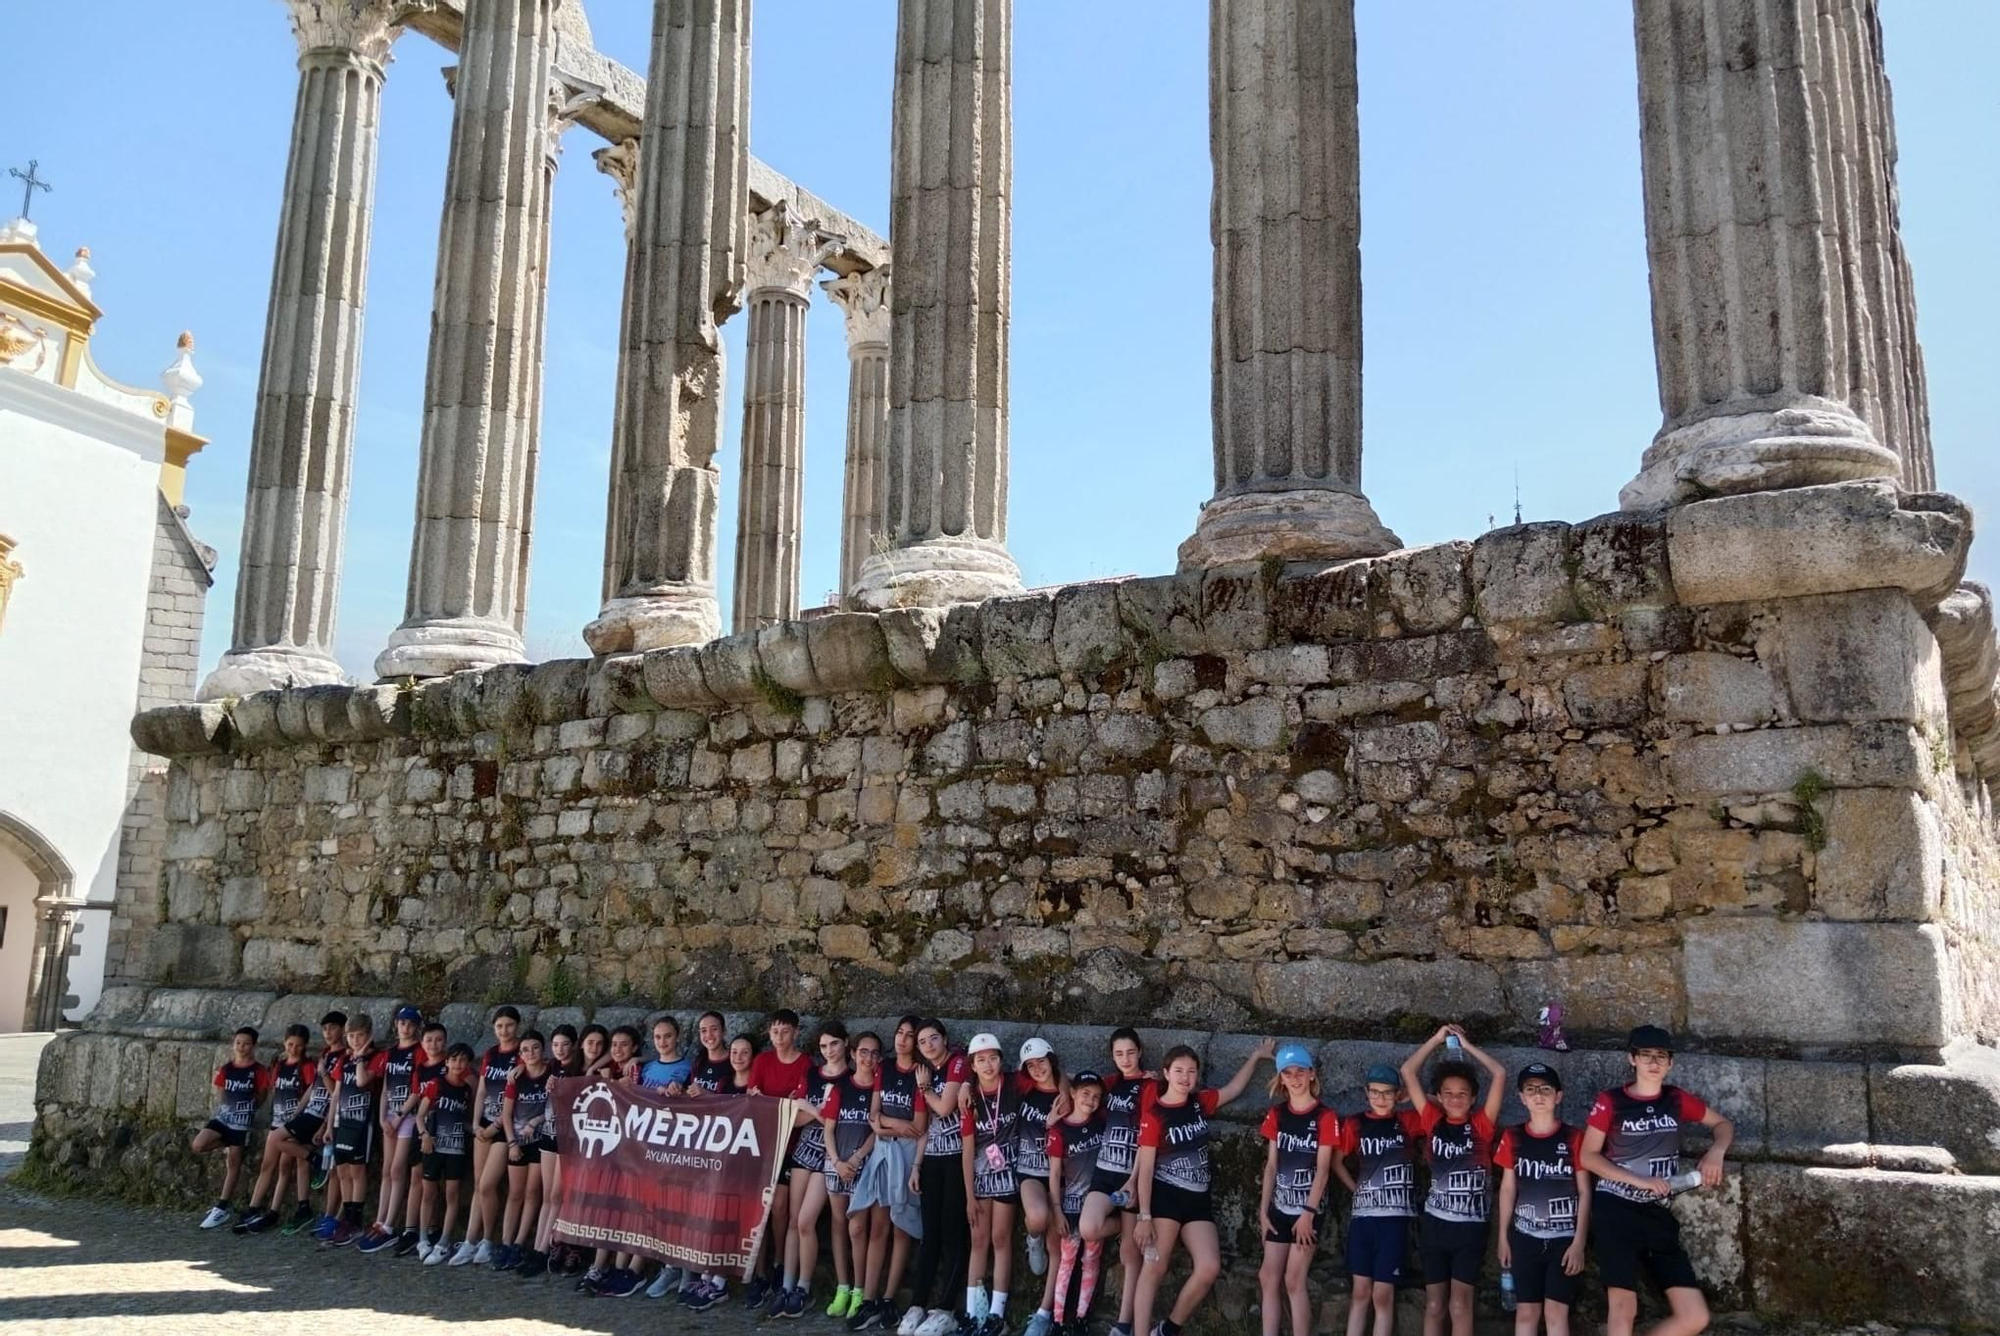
(1654, 1055)
(1539, 1090)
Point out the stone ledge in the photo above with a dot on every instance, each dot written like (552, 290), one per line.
(1963, 624)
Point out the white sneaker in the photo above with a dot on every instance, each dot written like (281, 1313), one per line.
(217, 1217)
(483, 1255)
(911, 1321)
(466, 1253)
(437, 1254)
(1038, 1255)
(938, 1323)
(665, 1283)
(1040, 1324)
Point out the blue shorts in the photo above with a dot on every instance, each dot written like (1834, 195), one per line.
(1378, 1246)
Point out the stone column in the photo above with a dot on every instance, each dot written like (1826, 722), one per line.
(785, 252)
(1757, 371)
(475, 476)
(301, 440)
(864, 296)
(945, 497)
(1875, 324)
(683, 276)
(1285, 216)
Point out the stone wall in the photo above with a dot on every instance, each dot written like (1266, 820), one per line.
(1698, 770)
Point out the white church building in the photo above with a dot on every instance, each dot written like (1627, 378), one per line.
(102, 590)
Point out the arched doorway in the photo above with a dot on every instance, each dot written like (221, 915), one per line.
(39, 916)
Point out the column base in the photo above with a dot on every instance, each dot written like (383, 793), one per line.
(244, 672)
(1306, 524)
(1762, 448)
(671, 615)
(935, 572)
(439, 647)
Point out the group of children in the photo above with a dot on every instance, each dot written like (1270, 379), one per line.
(927, 1155)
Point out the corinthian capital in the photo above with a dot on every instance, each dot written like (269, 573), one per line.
(864, 297)
(364, 28)
(786, 250)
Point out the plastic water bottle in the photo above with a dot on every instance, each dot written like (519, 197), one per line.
(1507, 1300)
(1453, 1050)
(1687, 1180)
(1123, 1199)
(1152, 1252)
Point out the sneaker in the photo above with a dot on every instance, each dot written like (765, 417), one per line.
(533, 1265)
(217, 1217)
(507, 1258)
(343, 1235)
(1120, 1329)
(437, 1254)
(465, 1254)
(483, 1254)
(1038, 1254)
(843, 1296)
(249, 1222)
(302, 1217)
(375, 1240)
(324, 1227)
(968, 1325)
(590, 1281)
(706, 1296)
(408, 1242)
(1041, 1324)
(621, 1283)
(913, 1319)
(318, 1177)
(868, 1316)
(937, 1322)
(756, 1292)
(993, 1325)
(665, 1283)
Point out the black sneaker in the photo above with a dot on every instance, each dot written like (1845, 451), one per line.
(869, 1316)
(754, 1294)
(248, 1222)
(532, 1265)
(406, 1243)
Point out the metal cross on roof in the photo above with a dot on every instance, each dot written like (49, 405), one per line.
(30, 184)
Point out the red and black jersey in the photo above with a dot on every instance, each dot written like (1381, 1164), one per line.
(809, 1142)
(1386, 1150)
(1642, 1135)
(1076, 1145)
(849, 1103)
(992, 1126)
(290, 1082)
(1125, 1098)
(1298, 1135)
(530, 1094)
(1459, 1155)
(319, 1097)
(451, 1115)
(899, 1093)
(709, 1075)
(945, 1135)
(1179, 1133)
(358, 1104)
(243, 1089)
(494, 1068)
(399, 1075)
(426, 1073)
(1544, 1179)
(1031, 1156)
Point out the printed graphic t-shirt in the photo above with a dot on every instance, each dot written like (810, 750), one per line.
(1643, 1136)
(1179, 1134)
(1386, 1149)
(1298, 1137)
(1544, 1179)
(242, 1090)
(1459, 1154)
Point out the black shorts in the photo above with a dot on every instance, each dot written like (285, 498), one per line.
(1107, 1182)
(1629, 1236)
(1378, 1246)
(230, 1136)
(1282, 1227)
(442, 1168)
(1043, 1179)
(353, 1141)
(1538, 1269)
(1178, 1204)
(530, 1152)
(1451, 1249)
(303, 1127)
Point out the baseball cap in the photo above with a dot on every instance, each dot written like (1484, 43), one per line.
(1649, 1036)
(1034, 1048)
(1383, 1074)
(980, 1043)
(1293, 1055)
(406, 1012)
(1539, 1071)
(1086, 1078)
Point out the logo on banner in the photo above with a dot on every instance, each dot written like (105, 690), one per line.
(596, 1122)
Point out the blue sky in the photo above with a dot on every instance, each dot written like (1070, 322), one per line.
(1504, 272)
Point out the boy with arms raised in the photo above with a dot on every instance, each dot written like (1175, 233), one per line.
(242, 1083)
(1632, 1143)
(1458, 1145)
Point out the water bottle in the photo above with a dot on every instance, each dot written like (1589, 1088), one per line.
(1687, 1180)
(1123, 1199)
(1152, 1251)
(1507, 1300)
(1453, 1050)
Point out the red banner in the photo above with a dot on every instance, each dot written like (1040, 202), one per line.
(687, 1181)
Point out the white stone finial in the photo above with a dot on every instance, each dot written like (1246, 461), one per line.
(864, 296)
(181, 379)
(80, 273)
(786, 250)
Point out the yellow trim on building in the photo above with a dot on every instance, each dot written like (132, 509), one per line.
(78, 314)
(181, 445)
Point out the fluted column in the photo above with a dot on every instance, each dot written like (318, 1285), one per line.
(1761, 383)
(302, 436)
(1855, 134)
(785, 253)
(1285, 217)
(945, 499)
(682, 277)
(482, 398)
(864, 297)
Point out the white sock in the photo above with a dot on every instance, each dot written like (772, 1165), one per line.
(975, 1301)
(997, 1306)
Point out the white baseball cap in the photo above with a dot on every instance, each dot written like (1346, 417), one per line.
(980, 1043)
(1035, 1048)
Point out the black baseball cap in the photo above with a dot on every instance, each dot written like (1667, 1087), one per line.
(1539, 1071)
(1086, 1078)
(1649, 1036)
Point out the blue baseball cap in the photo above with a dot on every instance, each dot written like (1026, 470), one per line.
(1383, 1074)
(406, 1012)
(1294, 1055)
